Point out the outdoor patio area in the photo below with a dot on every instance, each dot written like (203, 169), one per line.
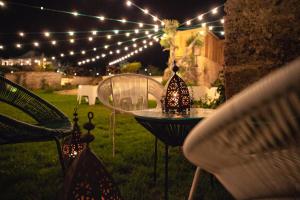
(34, 171)
(150, 100)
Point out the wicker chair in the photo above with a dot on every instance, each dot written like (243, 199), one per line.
(252, 143)
(51, 123)
(126, 93)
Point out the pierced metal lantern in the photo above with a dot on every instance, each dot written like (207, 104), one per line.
(74, 146)
(177, 97)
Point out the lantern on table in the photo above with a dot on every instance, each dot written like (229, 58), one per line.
(177, 98)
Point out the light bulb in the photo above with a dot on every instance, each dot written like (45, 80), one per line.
(18, 46)
(75, 14)
(90, 39)
(62, 55)
(127, 34)
(71, 53)
(146, 11)
(116, 31)
(94, 49)
(119, 43)
(222, 21)
(141, 25)
(53, 42)
(94, 32)
(2, 4)
(47, 34)
(82, 52)
(128, 3)
(210, 28)
(72, 41)
(155, 18)
(200, 17)
(1, 47)
(106, 47)
(126, 48)
(136, 31)
(214, 11)
(102, 18)
(71, 33)
(36, 44)
(53, 58)
(21, 34)
(203, 24)
(108, 36)
(123, 21)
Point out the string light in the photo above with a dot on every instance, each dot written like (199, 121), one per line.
(210, 28)
(42, 8)
(188, 22)
(75, 14)
(222, 21)
(203, 24)
(102, 18)
(46, 34)
(222, 33)
(90, 39)
(71, 33)
(214, 11)
(129, 3)
(94, 32)
(21, 34)
(62, 55)
(2, 4)
(119, 43)
(116, 31)
(53, 42)
(146, 11)
(123, 21)
(136, 31)
(1, 47)
(200, 17)
(71, 53)
(53, 58)
(36, 44)
(94, 49)
(72, 41)
(106, 46)
(127, 34)
(82, 52)
(141, 25)
(18, 46)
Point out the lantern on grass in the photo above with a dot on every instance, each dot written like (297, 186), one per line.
(73, 146)
(177, 98)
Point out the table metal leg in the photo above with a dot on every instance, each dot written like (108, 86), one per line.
(166, 171)
(155, 160)
(194, 184)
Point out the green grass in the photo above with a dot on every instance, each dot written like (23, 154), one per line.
(32, 170)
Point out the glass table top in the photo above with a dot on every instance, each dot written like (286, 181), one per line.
(195, 113)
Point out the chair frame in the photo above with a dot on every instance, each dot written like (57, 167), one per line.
(55, 126)
(114, 109)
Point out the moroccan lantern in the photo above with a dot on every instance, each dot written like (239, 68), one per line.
(74, 146)
(177, 97)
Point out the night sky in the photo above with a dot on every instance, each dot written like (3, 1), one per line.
(14, 19)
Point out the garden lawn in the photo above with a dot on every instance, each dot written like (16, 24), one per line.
(32, 170)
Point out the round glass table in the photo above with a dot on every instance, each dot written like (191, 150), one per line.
(171, 129)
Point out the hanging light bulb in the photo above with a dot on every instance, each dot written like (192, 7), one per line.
(103, 55)
(134, 39)
(147, 32)
(94, 49)
(53, 57)
(222, 33)
(102, 18)
(19, 46)
(71, 33)
(210, 28)
(146, 11)
(117, 51)
(134, 45)
(21, 34)
(222, 21)
(128, 3)
(110, 52)
(71, 53)
(90, 39)
(62, 55)
(83, 52)
(116, 31)
(94, 32)
(188, 22)
(123, 21)
(36, 44)
(75, 13)
(119, 43)
(53, 42)
(203, 24)
(47, 34)
(108, 36)
(127, 34)
(200, 17)
(126, 48)
(72, 41)
(214, 11)
(136, 31)
(106, 47)
(141, 25)
(2, 4)
(155, 18)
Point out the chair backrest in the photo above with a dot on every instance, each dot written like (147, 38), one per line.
(252, 142)
(129, 92)
(40, 110)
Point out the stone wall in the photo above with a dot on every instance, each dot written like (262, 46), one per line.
(36, 80)
(260, 37)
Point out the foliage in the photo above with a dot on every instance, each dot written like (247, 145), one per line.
(170, 28)
(131, 67)
(155, 71)
(197, 41)
(27, 167)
